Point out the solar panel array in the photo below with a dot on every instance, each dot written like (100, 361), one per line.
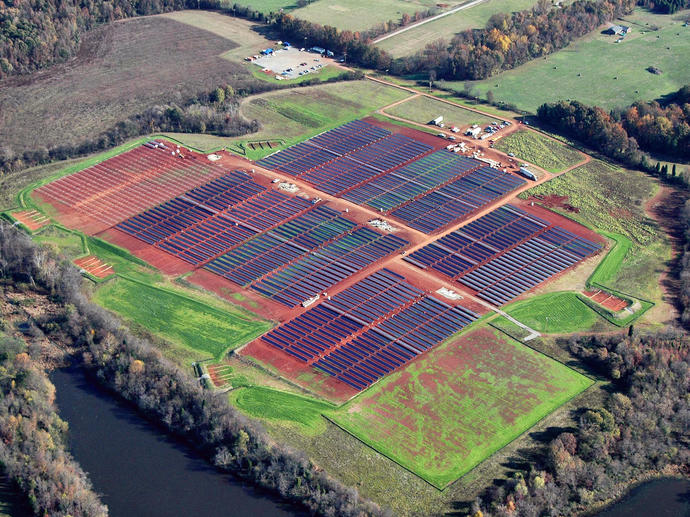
(128, 183)
(346, 156)
(287, 242)
(458, 199)
(504, 253)
(398, 186)
(370, 329)
(208, 220)
(328, 265)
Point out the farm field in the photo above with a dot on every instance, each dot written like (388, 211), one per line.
(347, 14)
(475, 17)
(446, 412)
(540, 150)
(422, 109)
(182, 320)
(611, 74)
(554, 313)
(293, 115)
(112, 78)
(612, 200)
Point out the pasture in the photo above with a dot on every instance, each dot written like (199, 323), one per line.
(359, 15)
(268, 6)
(475, 17)
(449, 410)
(597, 70)
(296, 114)
(423, 109)
(554, 313)
(180, 319)
(113, 77)
(540, 150)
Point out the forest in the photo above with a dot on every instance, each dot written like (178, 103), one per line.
(135, 370)
(626, 135)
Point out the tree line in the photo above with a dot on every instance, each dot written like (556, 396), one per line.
(510, 40)
(642, 427)
(33, 441)
(627, 135)
(135, 370)
(666, 6)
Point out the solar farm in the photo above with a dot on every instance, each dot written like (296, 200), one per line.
(372, 248)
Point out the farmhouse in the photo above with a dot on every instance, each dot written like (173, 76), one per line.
(618, 30)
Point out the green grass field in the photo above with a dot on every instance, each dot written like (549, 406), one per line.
(270, 404)
(610, 74)
(449, 410)
(423, 109)
(553, 313)
(540, 150)
(177, 318)
(296, 114)
(358, 15)
(414, 40)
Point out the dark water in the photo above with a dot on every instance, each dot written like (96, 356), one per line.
(140, 471)
(659, 498)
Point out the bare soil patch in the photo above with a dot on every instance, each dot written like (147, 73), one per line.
(120, 70)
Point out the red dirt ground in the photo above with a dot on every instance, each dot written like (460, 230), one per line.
(555, 201)
(94, 266)
(606, 300)
(32, 219)
(429, 139)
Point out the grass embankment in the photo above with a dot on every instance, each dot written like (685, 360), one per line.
(540, 150)
(294, 115)
(279, 406)
(422, 109)
(553, 313)
(597, 70)
(180, 319)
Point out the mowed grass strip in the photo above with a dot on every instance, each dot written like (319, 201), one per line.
(597, 70)
(454, 407)
(424, 109)
(280, 406)
(180, 319)
(608, 268)
(540, 150)
(553, 313)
